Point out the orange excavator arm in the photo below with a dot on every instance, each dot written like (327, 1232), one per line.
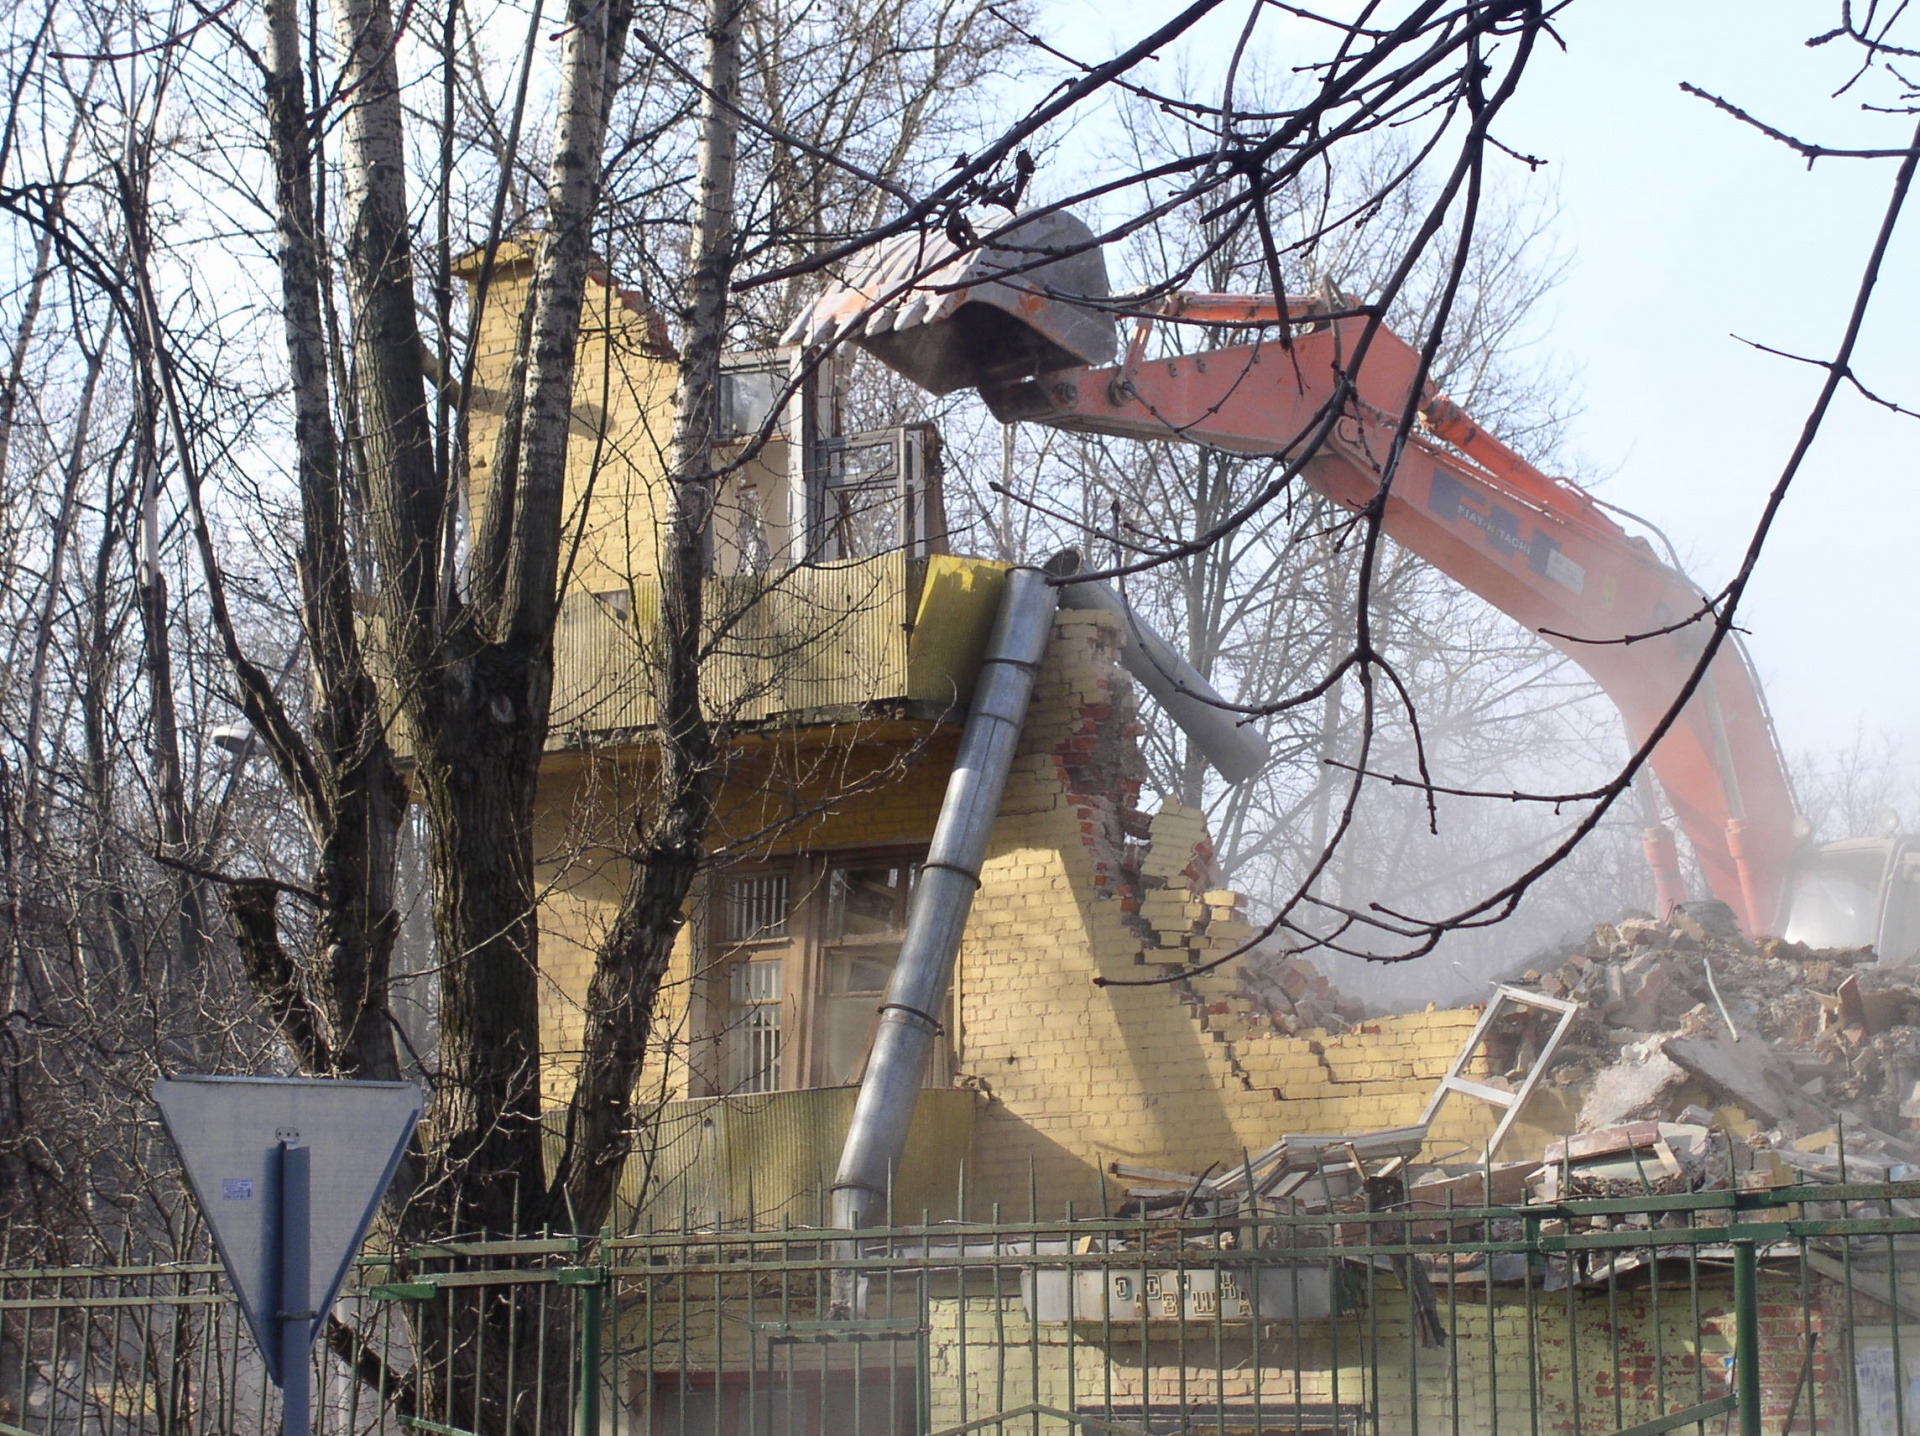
(1028, 320)
(1538, 548)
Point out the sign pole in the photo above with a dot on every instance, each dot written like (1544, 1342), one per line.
(295, 1312)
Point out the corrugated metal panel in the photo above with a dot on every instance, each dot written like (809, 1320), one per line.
(838, 635)
(718, 1159)
(602, 678)
(806, 639)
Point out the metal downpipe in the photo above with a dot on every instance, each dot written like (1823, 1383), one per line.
(937, 916)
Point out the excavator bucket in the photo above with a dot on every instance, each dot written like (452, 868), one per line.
(1032, 300)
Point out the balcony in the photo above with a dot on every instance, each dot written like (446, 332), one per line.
(887, 635)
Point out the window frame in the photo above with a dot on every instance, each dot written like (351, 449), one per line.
(804, 974)
(724, 955)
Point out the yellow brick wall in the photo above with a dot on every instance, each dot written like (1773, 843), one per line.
(1074, 1075)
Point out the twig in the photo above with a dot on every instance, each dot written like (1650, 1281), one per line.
(236, 880)
(1811, 152)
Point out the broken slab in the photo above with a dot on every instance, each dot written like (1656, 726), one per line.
(1746, 1072)
(1638, 1085)
(1505, 1184)
(1587, 1145)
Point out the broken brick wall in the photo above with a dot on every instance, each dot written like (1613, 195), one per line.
(1078, 887)
(1079, 884)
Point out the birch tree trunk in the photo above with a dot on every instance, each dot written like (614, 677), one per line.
(670, 829)
(353, 795)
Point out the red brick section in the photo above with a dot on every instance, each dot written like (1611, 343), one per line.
(1620, 1359)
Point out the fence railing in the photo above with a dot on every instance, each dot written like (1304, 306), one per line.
(1782, 1311)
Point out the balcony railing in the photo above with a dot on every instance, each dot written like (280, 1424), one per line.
(812, 643)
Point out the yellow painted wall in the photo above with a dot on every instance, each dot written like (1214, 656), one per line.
(622, 405)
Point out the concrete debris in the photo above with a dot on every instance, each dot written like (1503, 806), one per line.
(1780, 1047)
(1638, 1082)
(1640, 1159)
(1701, 1062)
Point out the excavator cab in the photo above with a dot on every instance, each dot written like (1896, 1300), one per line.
(1861, 892)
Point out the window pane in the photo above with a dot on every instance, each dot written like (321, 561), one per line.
(880, 1405)
(748, 398)
(756, 908)
(845, 1035)
(863, 522)
(675, 1411)
(861, 969)
(784, 1411)
(865, 508)
(868, 901)
(754, 1032)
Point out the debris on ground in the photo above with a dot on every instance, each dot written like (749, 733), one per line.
(1784, 1048)
(1694, 1060)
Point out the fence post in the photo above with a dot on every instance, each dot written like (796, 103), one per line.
(1746, 1335)
(591, 1296)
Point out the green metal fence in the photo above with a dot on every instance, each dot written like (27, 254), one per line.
(1789, 1310)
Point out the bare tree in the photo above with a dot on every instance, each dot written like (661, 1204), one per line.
(352, 162)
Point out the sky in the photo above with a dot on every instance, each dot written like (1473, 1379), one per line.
(1688, 233)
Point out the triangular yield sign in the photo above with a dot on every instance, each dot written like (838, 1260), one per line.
(231, 1132)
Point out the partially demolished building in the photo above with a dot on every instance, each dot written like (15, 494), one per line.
(854, 662)
(850, 693)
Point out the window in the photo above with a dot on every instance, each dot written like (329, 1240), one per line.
(1836, 902)
(616, 601)
(865, 921)
(803, 954)
(877, 493)
(1900, 928)
(786, 1401)
(749, 397)
(755, 908)
(755, 1050)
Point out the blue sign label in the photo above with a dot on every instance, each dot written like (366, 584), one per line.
(1450, 500)
(236, 1189)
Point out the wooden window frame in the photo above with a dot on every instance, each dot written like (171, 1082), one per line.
(713, 1076)
(804, 974)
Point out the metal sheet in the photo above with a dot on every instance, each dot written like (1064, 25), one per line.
(825, 637)
(229, 1131)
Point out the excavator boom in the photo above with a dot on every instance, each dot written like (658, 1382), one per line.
(1538, 548)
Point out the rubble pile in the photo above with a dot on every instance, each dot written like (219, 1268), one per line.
(1782, 1047)
(1693, 1059)
(1294, 995)
(1687, 1059)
